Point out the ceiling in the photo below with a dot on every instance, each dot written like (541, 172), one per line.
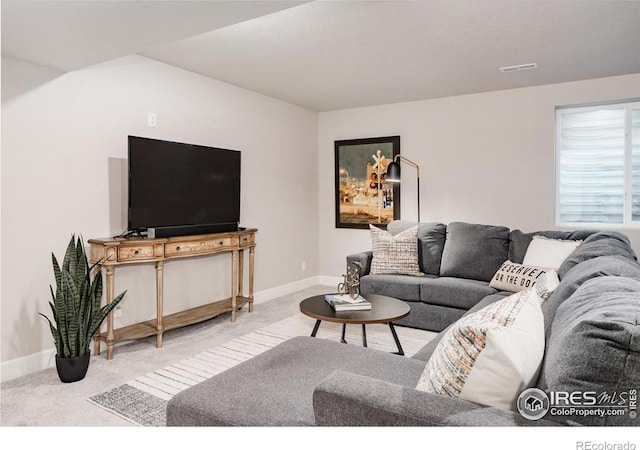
(328, 55)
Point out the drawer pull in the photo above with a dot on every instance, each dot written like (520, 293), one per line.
(136, 252)
(178, 248)
(221, 242)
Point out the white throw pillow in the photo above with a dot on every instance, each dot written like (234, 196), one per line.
(550, 253)
(492, 355)
(395, 254)
(515, 277)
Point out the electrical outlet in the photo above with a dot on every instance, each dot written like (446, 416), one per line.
(304, 266)
(151, 119)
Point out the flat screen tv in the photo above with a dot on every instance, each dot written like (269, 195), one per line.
(180, 189)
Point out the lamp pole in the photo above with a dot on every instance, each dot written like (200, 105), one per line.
(393, 174)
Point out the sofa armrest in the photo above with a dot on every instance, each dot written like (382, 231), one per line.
(347, 399)
(363, 258)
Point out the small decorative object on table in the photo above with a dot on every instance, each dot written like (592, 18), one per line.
(351, 283)
(348, 297)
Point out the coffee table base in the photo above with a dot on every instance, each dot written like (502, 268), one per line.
(364, 335)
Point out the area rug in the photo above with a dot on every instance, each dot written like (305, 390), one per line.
(143, 401)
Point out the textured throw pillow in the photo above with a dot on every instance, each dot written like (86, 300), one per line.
(516, 277)
(492, 355)
(550, 253)
(395, 254)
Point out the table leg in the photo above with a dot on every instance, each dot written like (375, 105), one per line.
(110, 284)
(395, 338)
(252, 260)
(234, 284)
(240, 272)
(159, 303)
(315, 328)
(344, 329)
(364, 335)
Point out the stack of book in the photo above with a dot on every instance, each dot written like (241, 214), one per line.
(344, 302)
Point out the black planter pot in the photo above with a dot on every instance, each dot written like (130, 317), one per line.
(72, 369)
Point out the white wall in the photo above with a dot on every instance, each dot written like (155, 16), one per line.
(64, 144)
(484, 158)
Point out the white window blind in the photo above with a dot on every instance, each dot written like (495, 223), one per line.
(598, 164)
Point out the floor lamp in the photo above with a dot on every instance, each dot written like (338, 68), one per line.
(393, 174)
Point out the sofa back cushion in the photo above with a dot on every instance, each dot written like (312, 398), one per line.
(595, 345)
(474, 251)
(431, 238)
(598, 244)
(603, 266)
(597, 267)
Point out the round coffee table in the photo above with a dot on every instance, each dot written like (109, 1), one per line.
(383, 310)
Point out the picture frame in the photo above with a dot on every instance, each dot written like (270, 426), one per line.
(360, 199)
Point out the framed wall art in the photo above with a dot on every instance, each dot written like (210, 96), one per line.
(362, 194)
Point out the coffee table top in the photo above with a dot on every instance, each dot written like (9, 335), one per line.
(383, 309)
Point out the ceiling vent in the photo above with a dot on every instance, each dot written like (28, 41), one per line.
(519, 67)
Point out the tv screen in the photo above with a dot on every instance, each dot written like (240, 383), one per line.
(175, 184)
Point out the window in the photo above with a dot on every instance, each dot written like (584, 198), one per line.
(598, 164)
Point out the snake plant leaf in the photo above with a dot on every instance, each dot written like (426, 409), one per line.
(61, 307)
(56, 269)
(72, 314)
(68, 254)
(56, 335)
(101, 314)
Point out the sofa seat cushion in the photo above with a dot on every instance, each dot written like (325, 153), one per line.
(403, 287)
(595, 345)
(431, 237)
(454, 292)
(474, 251)
(276, 387)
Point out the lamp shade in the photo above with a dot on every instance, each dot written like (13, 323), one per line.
(393, 172)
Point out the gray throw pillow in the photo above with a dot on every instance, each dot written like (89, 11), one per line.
(474, 251)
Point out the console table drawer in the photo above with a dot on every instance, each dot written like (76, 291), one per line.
(135, 253)
(247, 239)
(195, 247)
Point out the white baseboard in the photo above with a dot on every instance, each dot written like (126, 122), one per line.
(329, 281)
(36, 362)
(25, 365)
(284, 289)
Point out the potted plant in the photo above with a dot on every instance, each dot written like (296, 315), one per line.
(77, 314)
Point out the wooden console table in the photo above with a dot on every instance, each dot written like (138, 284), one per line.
(110, 253)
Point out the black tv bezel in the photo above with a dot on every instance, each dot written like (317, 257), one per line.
(184, 228)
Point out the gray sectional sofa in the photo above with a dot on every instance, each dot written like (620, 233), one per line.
(592, 344)
(458, 261)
